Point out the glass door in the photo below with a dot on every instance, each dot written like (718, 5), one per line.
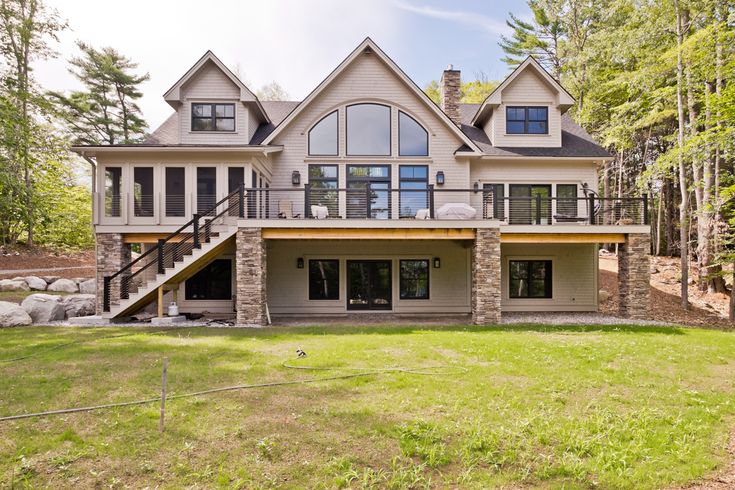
(523, 209)
(369, 285)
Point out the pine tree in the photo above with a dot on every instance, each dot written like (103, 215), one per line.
(106, 111)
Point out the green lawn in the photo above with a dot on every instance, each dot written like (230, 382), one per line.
(549, 407)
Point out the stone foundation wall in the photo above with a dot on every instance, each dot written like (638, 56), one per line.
(634, 276)
(486, 277)
(250, 266)
(112, 255)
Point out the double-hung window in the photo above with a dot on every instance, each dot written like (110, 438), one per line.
(526, 120)
(212, 117)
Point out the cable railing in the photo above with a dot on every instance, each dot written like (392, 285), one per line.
(370, 202)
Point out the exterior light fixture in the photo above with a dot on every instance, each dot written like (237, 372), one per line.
(440, 178)
(476, 187)
(296, 177)
(300, 263)
(437, 263)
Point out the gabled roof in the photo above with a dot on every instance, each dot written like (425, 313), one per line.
(564, 101)
(173, 95)
(575, 141)
(369, 44)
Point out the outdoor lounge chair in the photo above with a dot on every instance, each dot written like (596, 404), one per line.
(285, 210)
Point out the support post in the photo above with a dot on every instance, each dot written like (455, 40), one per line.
(307, 200)
(431, 201)
(241, 200)
(164, 381)
(196, 232)
(160, 302)
(591, 206)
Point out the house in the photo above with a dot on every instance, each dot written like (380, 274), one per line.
(364, 198)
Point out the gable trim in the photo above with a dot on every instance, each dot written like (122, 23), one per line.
(566, 98)
(369, 44)
(173, 94)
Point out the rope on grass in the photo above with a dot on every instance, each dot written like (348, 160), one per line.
(364, 372)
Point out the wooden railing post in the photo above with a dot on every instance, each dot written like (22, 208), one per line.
(307, 200)
(106, 293)
(241, 201)
(195, 230)
(161, 243)
(591, 206)
(431, 201)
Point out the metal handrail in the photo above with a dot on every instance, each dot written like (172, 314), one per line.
(159, 248)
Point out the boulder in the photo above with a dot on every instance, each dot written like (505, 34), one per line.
(13, 315)
(88, 287)
(79, 279)
(603, 295)
(13, 285)
(44, 307)
(50, 279)
(79, 305)
(36, 283)
(64, 286)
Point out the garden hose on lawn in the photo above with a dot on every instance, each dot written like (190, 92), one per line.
(437, 370)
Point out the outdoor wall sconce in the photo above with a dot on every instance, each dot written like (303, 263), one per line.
(437, 263)
(476, 187)
(296, 177)
(440, 178)
(300, 263)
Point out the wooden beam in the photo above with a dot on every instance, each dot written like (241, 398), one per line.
(368, 233)
(562, 238)
(160, 302)
(144, 237)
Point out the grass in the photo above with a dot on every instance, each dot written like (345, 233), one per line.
(548, 407)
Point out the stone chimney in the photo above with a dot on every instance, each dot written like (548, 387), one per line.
(450, 93)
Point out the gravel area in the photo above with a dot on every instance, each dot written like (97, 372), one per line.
(572, 318)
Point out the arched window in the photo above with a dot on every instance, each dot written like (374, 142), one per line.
(323, 136)
(413, 139)
(368, 130)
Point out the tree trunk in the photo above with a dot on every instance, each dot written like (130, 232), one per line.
(684, 205)
(659, 212)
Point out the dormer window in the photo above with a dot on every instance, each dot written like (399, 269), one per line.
(213, 117)
(526, 120)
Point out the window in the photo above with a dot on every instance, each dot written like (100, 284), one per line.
(523, 200)
(413, 182)
(493, 202)
(413, 140)
(414, 280)
(530, 279)
(143, 191)
(323, 279)
(526, 120)
(113, 191)
(175, 196)
(368, 130)
(374, 203)
(213, 117)
(566, 200)
(206, 188)
(213, 282)
(323, 181)
(324, 135)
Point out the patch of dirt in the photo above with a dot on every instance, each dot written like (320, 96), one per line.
(723, 480)
(46, 262)
(706, 310)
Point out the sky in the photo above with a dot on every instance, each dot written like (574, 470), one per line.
(296, 43)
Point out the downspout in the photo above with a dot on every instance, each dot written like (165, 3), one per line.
(93, 164)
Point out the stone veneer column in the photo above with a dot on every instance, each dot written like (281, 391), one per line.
(486, 277)
(634, 275)
(112, 255)
(250, 266)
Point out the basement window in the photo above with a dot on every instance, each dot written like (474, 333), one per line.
(530, 279)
